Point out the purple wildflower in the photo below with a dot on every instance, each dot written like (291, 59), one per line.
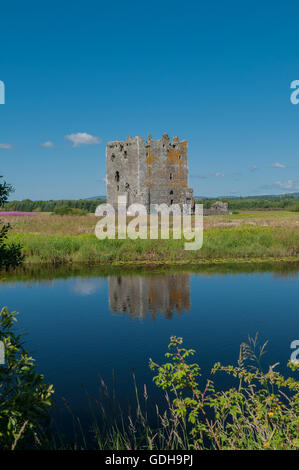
(17, 213)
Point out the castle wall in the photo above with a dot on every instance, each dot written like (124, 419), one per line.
(122, 170)
(167, 170)
(154, 172)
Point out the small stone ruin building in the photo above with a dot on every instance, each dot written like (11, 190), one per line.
(217, 208)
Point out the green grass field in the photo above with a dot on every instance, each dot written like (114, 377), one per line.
(245, 237)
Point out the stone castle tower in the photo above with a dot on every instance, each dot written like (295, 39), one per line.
(152, 172)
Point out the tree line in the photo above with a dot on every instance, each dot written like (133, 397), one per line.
(51, 206)
(287, 202)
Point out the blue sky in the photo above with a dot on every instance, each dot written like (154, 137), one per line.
(215, 73)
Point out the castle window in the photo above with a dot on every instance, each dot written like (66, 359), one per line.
(171, 202)
(112, 157)
(171, 192)
(180, 157)
(117, 176)
(127, 185)
(171, 176)
(125, 154)
(117, 187)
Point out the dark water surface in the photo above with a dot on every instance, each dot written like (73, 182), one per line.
(85, 324)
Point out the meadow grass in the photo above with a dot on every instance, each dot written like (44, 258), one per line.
(47, 223)
(234, 244)
(248, 236)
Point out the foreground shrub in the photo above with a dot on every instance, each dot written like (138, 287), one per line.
(24, 398)
(10, 255)
(260, 412)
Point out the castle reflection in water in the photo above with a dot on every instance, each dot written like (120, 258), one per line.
(139, 296)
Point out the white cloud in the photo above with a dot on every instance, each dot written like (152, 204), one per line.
(277, 165)
(82, 138)
(289, 184)
(219, 174)
(5, 146)
(253, 168)
(48, 144)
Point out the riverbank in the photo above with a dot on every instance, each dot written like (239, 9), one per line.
(247, 237)
(238, 244)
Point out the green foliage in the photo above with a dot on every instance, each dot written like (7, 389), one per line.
(67, 210)
(5, 190)
(295, 208)
(261, 412)
(24, 398)
(10, 255)
(49, 206)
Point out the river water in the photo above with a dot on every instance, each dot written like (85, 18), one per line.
(88, 324)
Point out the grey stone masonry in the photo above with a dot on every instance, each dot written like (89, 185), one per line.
(218, 208)
(151, 172)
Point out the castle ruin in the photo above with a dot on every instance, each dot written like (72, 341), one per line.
(151, 172)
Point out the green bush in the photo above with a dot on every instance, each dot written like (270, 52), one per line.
(295, 208)
(24, 398)
(10, 255)
(66, 210)
(260, 412)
